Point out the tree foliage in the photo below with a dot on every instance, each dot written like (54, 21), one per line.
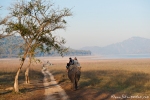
(35, 21)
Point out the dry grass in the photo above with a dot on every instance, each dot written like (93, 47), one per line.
(103, 77)
(111, 76)
(8, 69)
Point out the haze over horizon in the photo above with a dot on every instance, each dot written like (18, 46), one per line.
(133, 37)
(102, 22)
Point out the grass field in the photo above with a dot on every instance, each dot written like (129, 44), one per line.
(100, 79)
(109, 78)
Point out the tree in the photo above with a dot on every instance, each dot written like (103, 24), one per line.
(35, 21)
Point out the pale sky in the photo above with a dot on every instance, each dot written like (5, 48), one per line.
(102, 22)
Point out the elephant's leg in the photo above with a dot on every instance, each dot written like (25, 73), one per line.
(73, 84)
(72, 81)
(76, 84)
(77, 79)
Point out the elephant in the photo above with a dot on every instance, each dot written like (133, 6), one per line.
(74, 75)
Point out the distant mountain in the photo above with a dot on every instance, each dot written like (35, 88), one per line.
(134, 45)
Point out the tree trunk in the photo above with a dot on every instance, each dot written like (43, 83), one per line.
(16, 87)
(27, 75)
(27, 71)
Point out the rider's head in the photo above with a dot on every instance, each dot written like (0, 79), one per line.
(75, 58)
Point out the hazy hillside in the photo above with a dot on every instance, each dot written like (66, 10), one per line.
(10, 47)
(134, 45)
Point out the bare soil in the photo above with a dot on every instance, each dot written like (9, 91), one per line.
(32, 91)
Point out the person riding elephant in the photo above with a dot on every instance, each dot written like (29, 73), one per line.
(76, 62)
(73, 69)
(71, 62)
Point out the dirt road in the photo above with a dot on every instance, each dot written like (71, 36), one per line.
(53, 91)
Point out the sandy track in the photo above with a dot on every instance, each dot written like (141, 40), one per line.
(53, 91)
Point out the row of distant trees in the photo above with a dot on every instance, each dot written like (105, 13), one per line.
(35, 22)
(10, 47)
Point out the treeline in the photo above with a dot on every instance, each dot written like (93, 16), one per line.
(70, 52)
(12, 47)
